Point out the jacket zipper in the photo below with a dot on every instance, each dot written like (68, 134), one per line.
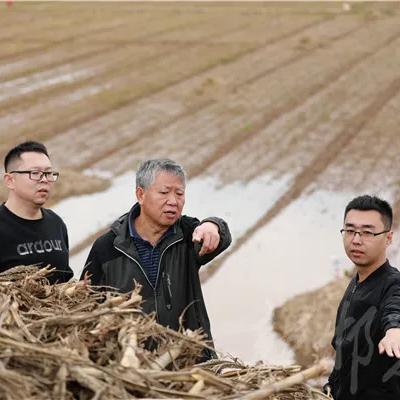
(168, 292)
(145, 275)
(137, 262)
(347, 311)
(158, 273)
(167, 289)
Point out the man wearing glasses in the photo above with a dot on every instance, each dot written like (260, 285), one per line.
(367, 333)
(29, 233)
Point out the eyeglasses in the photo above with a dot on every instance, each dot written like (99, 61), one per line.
(34, 175)
(351, 233)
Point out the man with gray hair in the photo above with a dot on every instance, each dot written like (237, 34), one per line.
(157, 247)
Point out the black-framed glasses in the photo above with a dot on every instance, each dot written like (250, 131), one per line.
(36, 175)
(351, 233)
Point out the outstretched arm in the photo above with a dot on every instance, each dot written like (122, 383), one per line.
(207, 234)
(390, 344)
(213, 234)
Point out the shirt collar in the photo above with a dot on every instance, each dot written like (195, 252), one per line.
(133, 232)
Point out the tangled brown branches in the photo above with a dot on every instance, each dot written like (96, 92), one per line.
(70, 341)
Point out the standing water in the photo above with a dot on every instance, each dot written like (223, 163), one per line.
(297, 251)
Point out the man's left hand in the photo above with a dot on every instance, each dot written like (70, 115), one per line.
(208, 233)
(390, 344)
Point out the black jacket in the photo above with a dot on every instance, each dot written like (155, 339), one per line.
(367, 310)
(114, 261)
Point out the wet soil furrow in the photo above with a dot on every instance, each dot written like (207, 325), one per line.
(196, 108)
(317, 166)
(15, 27)
(362, 168)
(219, 124)
(83, 114)
(56, 42)
(299, 57)
(104, 48)
(89, 30)
(149, 92)
(112, 68)
(242, 136)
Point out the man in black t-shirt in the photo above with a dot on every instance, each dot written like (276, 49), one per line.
(29, 233)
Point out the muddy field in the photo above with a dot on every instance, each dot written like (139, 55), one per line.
(233, 90)
(309, 92)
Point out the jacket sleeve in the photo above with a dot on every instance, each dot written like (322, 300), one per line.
(391, 305)
(332, 378)
(93, 267)
(189, 224)
(329, 387)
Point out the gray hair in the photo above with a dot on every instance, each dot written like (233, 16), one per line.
(148, 170)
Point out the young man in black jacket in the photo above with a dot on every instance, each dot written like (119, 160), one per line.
(154, 245)
(367, 334)
(29, 233)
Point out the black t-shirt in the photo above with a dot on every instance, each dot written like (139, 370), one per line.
(41, 241)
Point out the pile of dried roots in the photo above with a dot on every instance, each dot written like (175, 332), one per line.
(70, 341)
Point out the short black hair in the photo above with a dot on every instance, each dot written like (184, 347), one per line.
(367, 202)
(16, 152)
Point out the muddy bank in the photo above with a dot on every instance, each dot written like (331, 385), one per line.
(307, 321)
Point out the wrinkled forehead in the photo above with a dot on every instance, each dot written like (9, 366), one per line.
(167, 178)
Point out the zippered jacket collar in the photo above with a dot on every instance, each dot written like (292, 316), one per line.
(374, 275)
(124, 242)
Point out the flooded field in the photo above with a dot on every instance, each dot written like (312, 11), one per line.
(281, 113)
(300, 249)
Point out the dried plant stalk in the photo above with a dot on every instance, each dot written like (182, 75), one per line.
(129, 343)
(301, 377)
(73, 341)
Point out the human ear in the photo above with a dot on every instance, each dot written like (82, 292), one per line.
(8, 180)
(389, 238)
(140, 194)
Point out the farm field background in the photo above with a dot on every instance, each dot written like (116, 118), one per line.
(280, 113)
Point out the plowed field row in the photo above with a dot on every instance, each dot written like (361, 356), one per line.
(244, 114)
(112, 88)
